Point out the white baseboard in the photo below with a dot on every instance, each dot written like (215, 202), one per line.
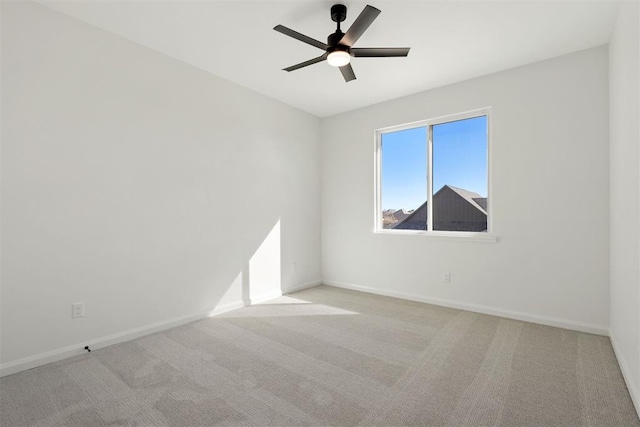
(223, 309)
(76, 349)
(262, 298)
(266, 297)
(632, 386)
(510, 314)
(301, 287)
(40, 359)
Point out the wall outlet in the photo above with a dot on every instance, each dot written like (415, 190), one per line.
(77, 310)
(446, 277)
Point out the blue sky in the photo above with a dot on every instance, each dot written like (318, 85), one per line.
(459, 159)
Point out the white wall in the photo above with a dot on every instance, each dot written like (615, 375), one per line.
(150, 190)
(624, 61)
(549, 154)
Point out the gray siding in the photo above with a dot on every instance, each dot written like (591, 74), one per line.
(454, 209)
(451, 212)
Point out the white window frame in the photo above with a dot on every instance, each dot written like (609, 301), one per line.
(485, 236)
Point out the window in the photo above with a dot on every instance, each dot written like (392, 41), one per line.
(432, 176)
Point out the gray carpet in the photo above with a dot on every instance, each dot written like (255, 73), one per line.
(326, 356)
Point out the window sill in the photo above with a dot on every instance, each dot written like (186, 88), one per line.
(445, 235)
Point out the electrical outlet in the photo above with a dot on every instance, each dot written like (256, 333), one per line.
(77, 310)
(446, 277)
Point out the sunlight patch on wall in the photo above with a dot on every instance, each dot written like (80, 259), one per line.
(264, 268)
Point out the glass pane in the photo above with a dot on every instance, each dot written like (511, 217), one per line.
(404, 179)
(460, 175)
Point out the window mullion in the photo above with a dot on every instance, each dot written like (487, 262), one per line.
(430, 178)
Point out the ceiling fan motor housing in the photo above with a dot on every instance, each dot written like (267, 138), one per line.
(333, 42)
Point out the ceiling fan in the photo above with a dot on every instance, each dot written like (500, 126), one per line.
(339, 47)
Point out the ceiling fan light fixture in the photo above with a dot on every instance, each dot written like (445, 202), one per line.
(338, 58)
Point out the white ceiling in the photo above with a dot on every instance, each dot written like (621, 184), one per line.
(450, 41)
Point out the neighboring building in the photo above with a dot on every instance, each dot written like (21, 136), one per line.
(390, 217)
(401, 214)
(388, 220)
(454, 209)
